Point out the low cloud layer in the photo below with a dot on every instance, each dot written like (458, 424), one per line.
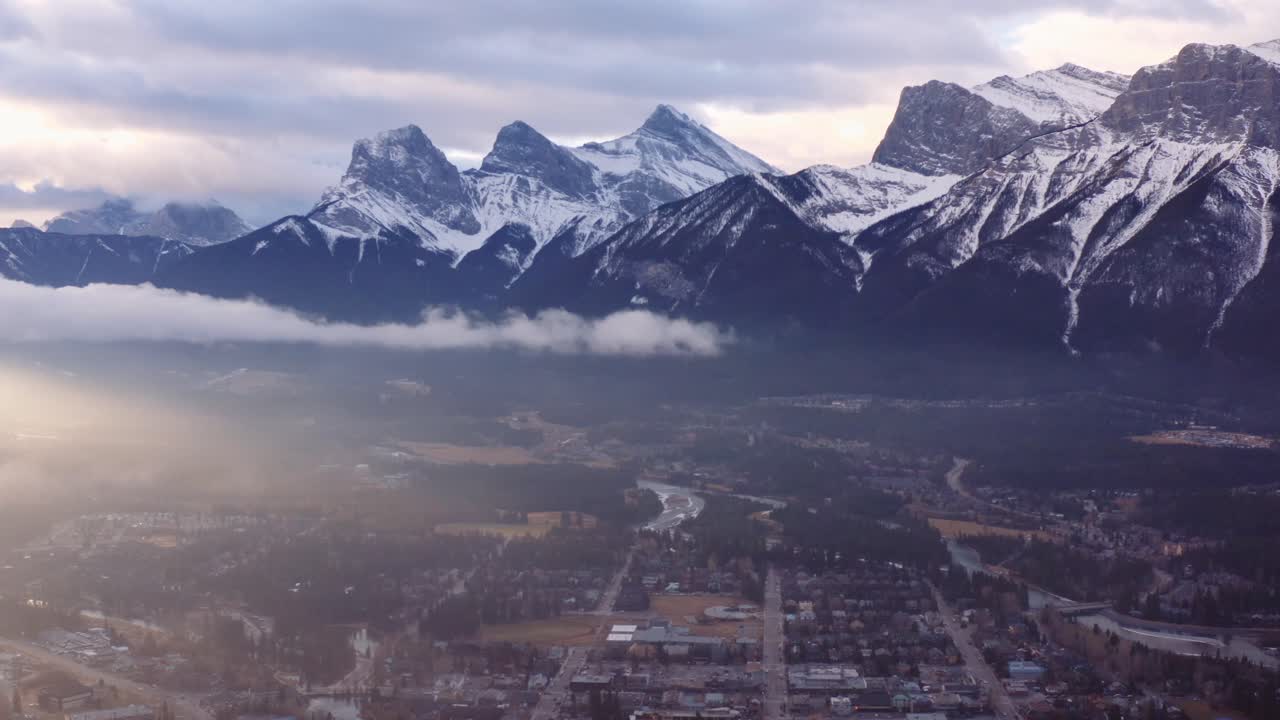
(102, 313)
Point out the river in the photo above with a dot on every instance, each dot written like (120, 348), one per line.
(678, 505)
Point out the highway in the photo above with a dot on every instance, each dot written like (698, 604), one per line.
(185, 707)
(775, 661)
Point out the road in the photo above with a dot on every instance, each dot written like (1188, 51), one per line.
(775, 662)
(185, 707)
(1000, 701)
(548, 706)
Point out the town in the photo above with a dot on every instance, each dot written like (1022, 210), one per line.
(746, 563)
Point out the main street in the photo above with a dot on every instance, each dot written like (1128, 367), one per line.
(1000, 701)
(185, 707)
(549, 704)
(775, 662)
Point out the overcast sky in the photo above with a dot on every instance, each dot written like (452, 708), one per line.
(257, 103)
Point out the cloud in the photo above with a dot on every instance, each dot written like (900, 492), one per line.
(105, 313)
(150, 97)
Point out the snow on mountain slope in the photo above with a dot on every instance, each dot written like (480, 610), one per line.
(848, 200)
(671, 156)
(1269, 51)
(1067, 95)
(191, 223)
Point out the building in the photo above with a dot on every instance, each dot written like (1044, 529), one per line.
(826, 680)
(1025, 671)
(65, 696)
(586, 682)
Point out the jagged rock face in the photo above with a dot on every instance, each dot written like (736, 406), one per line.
(943, 129)
(402, 177)
(56, 259)
(521, 150)
(1205, 94)
(194, 224)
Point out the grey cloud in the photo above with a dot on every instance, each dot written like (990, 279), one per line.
(259, 72)
(44, 196)
(103, 313)
(12, 23)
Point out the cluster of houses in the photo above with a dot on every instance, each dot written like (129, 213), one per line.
(879, 619)
(535, 593)
(674, 564)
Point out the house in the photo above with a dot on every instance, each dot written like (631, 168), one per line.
(1025, 671)
(64, 696)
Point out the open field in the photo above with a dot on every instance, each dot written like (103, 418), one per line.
(1200, 710)
(447, 454)
(570, 631)
(678, 608)
(1205, 437)
(539, 523)
(506, 530)
(951, 529)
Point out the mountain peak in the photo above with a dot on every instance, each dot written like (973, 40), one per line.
(395, 145)
(404, 165)
(667, 121)
(522, 150)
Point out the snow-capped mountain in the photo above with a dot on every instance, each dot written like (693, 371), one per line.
(1148, 227)
(678, 257)
(405, 222)
(192, 223)
(1069, 208)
